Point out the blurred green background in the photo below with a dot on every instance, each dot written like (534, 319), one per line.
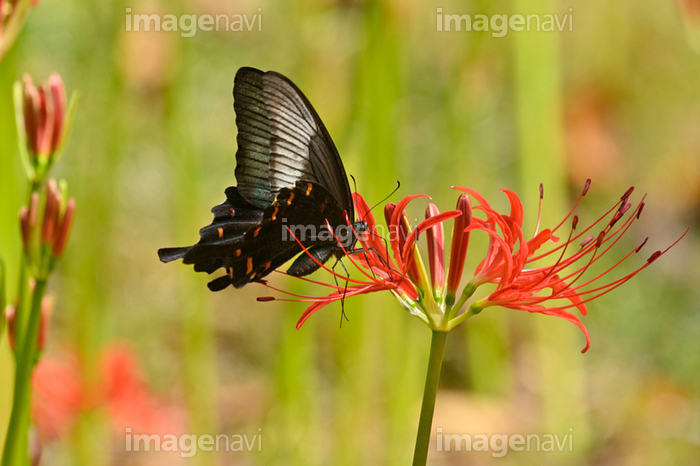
(615, 99)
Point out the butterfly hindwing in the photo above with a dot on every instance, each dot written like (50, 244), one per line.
(298, 215)
(232, 219)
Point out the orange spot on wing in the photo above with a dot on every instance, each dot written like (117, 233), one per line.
(238, 252)
(267, 265)
(249, 267)
(291, 196)
(308, 188)
(255, 233)
(274, 214)
(221, 232)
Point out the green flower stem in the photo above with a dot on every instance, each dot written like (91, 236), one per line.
(437, 350)
(16, 444)
(21, 317)
(467, 293)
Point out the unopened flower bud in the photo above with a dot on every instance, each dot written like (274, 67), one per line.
(436, 250)
(63, 228)
(51, 211)
(460, 242)
(44, 114)
(27, 220)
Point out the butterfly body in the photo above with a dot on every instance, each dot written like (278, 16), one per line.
(292, 195)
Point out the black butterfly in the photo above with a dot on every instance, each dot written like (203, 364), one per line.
(291, 184)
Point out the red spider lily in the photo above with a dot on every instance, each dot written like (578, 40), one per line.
(526, 278)
(511, 262)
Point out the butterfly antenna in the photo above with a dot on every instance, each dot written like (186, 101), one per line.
(398, 185)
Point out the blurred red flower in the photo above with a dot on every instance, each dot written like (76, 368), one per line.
(61, 395)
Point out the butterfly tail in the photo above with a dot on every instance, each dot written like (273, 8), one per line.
(171, 254)
(220, 283)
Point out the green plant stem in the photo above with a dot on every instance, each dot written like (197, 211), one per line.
(21, 317)
(16, 445)
(432, 378)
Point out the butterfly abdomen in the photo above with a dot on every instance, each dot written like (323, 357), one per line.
(309, 262)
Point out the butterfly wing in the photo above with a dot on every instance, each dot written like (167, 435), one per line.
(297, 215)
(254, 137)
(282, 140)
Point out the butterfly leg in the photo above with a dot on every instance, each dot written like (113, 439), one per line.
(345, 290)
(385, 261)
(364, 253)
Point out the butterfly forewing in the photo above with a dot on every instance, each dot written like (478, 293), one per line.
(282, 140)
(301, 145)
(254, 135)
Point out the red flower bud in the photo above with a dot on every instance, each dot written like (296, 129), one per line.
(460, 242)
(58, 96)
(436, 249)
(44, 113)
(31, 113)
(27, 219)
(63, 228)
(51, 212)
(46, 121)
